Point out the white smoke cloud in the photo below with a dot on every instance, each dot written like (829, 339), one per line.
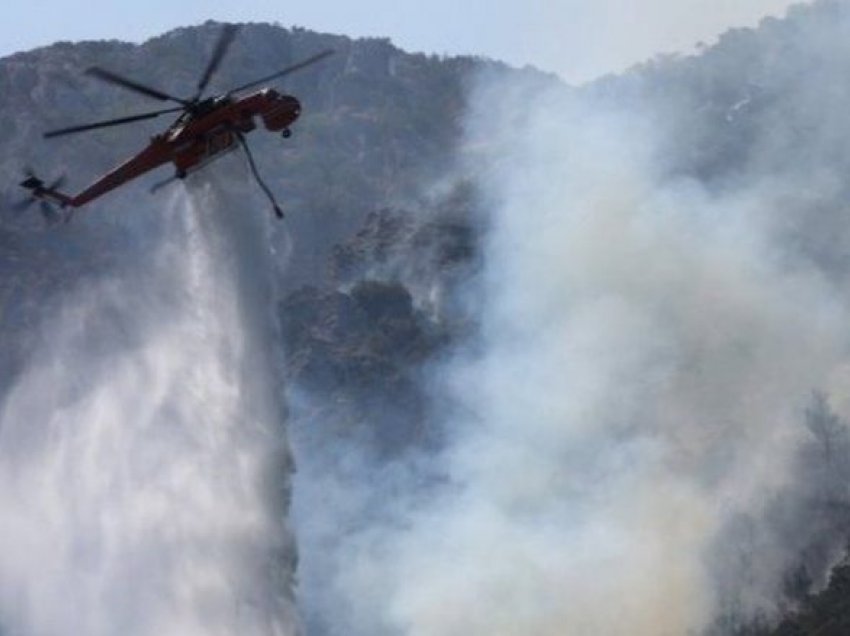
(648, 347)
(143, 467)
(629, 437)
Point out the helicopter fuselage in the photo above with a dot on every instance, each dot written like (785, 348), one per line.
(207, 128)
(207, 131)
(210, 130)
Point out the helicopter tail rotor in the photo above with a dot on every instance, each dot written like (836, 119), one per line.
(46, 195)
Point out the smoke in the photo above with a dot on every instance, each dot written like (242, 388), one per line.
(645, 357)
(633, 445)
(143, 464)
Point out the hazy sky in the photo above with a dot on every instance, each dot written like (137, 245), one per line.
(576, 38)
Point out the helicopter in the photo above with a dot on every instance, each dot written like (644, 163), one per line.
(206, 129)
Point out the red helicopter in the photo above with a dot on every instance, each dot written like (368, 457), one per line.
(206, 129)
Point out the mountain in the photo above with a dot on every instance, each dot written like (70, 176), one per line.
(386, 224)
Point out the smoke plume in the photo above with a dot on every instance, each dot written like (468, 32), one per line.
(143, 464)
(641, 435)
(645, 357)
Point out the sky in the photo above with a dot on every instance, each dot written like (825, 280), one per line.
(577, 39)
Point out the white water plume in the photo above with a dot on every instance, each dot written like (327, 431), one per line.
(144, 467)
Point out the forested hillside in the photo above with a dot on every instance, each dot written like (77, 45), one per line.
(385, 228)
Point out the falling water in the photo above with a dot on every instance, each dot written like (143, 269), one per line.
(144, 469)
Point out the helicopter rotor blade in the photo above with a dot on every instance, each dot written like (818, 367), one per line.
(114, 78)
(48, 213)
(109, 122)
(23, 204)
(289, 69)
(225, 39)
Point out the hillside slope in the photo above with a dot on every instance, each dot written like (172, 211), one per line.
(386, 231)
